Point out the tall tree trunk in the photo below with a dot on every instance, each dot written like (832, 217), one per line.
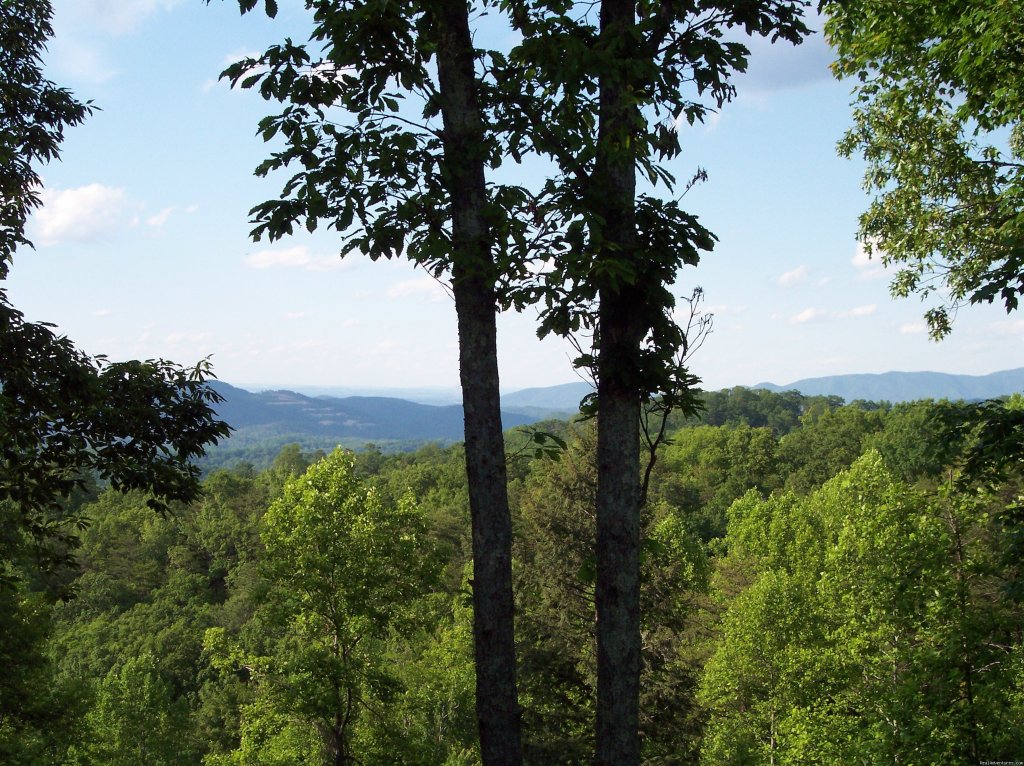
(473, 283)
(620, 332)
(618, 545)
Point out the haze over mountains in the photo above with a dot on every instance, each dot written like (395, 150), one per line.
(264, 422)
(362, 418)
(564, 397)
(422, 415)
(908, 386)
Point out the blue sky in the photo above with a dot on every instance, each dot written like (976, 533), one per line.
(143, 246)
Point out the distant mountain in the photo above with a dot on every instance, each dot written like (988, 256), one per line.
(436, 395)
(350, 420)
(564, 398)
(908, 386)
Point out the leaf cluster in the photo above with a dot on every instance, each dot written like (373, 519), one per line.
(873, 630)
(363, 139)
(937, 118)
(671, 67)
(33, 116)
(65, 416)
(364, 145)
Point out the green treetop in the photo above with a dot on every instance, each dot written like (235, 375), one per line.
(937, 117)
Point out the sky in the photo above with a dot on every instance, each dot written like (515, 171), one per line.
(143, 246)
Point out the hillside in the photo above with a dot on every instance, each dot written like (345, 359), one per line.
(359, 418)
(266, 421)
(564, 399)
(908, 386)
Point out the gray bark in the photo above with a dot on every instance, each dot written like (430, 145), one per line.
(618, 442)
(473, 283)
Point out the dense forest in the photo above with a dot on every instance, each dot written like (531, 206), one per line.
(822, 583)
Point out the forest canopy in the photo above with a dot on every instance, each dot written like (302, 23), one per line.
(820, 581)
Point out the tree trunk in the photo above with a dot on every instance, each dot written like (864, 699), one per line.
(618, 562)
(620, 332)
(473, 280)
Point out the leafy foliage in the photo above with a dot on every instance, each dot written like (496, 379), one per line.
(297, 615)
(555, 599)
(875, 628)
(135, 719)
(937, 118)
(675, 64)
(34, 115)
(342, 568)
(64, 415)
(377, 179)
(815, 598)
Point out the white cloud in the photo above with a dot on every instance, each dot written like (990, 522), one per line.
(308, 344)
(233, 58)
(794, 277)
(159, 219)
(541, 267)
(175, 338)
(913, 328)
(861, 311)
(330, 263)
(710, 122)
(76, 60)
(102, 312)
(291, 257)
(297, 315)
(807, 315)
(80, 50)
(86, 214)
(240, 55)
(424, 287)
(116, 17)
(869, 266)
(721, 309)
(681, 313)
(861, 258)
(1009, 328)
(297, 257)
(775, 66)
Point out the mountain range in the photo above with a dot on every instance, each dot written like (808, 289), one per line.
(359, 418)
(908, 386)
(265, 421)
